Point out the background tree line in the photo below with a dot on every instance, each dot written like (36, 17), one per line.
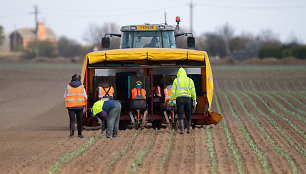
(223, 42)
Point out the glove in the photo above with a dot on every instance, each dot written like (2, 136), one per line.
(171, 103)
(194, 103)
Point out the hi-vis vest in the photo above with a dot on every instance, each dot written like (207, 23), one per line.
(180, 90)
(97, 107)
(167, 93)
(75, 96)
(105, 92)
(138, 93)
(156, 91)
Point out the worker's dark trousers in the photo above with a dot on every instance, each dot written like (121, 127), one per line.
(113, 119)
(78, 113)
(183, 105)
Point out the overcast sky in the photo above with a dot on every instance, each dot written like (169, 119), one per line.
(71, 17)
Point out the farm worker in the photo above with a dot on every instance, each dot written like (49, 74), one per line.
(183, 89)
(167, 92)
(138, 96)
(105, 90)
(108, 111)
(138, 92)
(157, 91)
(153, 44)
(75, 100)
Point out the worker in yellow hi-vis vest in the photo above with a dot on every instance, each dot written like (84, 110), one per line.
(183, 90)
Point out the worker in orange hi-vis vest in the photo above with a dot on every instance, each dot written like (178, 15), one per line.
(138, 101)
(138, 92)
(157, 91)
(167, 106)
(75, 100)
(105, 90)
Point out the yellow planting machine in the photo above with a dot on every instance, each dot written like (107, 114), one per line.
(148, 54)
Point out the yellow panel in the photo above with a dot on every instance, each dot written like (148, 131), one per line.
(147, 27)
(197, 55)
(84, 70)
(126, 54)
(209, 82)
(156, 54)
(96, 57)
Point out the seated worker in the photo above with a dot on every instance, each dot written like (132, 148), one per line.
(138, 97)
(167, 93)
(108, 111)
(154, 43)
(156, 93)
(104, 90)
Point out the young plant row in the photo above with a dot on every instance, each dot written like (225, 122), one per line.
(292, 98)
(291, 124)
(211, 151)
(265, 133)
(161, 167)
(119, 154)
(135, 164)
(273, 92)
(279, 105)
(272, 122)
(68, 157)
(230, 143)
(299, 93)
(260, 155)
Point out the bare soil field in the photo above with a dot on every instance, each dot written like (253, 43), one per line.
(263, 130)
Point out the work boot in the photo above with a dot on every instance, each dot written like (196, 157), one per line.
(181, 124)
(80, 136)
(108, 134)
(189, 128)
(115, 134)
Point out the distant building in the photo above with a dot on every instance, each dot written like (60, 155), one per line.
(21, 38)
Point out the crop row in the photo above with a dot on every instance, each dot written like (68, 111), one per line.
(272, 122)
(210, 146)
(279, 105)
(273, 92)
(230, 143)
(138, 160)
(119, 154)
(260, 155)
(263, 131)
(273, 111)
(68, 157)
(161, 167)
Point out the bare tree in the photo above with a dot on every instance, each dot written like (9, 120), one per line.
(227, 33)
(94, 34)
(269, 38)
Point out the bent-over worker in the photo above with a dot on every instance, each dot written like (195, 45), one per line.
(183, 89)
(108, 111)
(75, 100)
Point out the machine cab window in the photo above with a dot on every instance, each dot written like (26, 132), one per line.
(148, 36)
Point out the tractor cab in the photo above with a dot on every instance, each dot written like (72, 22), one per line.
(149, 36)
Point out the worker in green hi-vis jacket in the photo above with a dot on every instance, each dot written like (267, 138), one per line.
(183, 90)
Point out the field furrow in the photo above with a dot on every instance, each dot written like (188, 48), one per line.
(276, 113)
(261, 157)
(224, 146)
(268, 138)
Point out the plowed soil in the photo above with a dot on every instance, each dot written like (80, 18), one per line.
(34, 126)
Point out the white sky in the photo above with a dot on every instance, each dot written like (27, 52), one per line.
(71, 17)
